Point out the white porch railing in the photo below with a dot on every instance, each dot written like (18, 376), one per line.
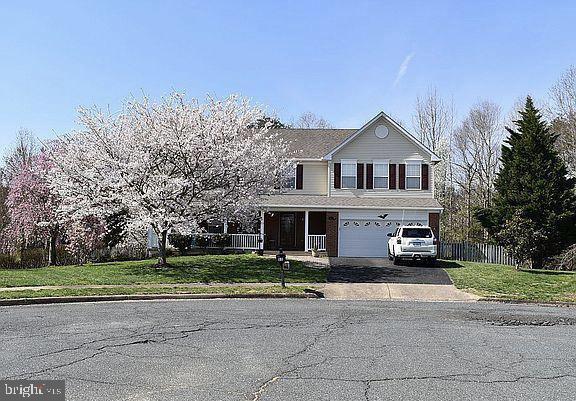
(244, 241)
(237, 241)
(317, 241)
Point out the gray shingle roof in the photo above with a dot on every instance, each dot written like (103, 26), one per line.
(349, 202)
(313, 143)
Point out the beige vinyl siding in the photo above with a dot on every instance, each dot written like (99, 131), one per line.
(395, 148)
(315, 178)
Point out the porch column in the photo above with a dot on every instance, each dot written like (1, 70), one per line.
(225, 226)
(306, 245)
(261, 246)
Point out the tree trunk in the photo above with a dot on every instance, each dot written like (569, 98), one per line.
(52, 249)
(162, 244)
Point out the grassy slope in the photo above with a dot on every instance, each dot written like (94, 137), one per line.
(185, 269)
(498, 281)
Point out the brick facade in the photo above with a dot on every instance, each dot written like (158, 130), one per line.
(332, 233)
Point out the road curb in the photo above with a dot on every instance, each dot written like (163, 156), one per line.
(147, 297)
(527, 302)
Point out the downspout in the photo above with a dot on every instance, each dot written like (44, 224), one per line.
(329, 179)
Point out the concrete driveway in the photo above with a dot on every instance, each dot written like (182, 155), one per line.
(379, 278)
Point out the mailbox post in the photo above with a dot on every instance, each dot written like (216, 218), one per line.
(281, 259)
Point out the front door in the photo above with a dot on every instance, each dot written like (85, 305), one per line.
(287, 231)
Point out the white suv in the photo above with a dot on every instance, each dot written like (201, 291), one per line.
(412, 242)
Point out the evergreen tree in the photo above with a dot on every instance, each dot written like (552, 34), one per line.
(533, 185)
(271, 122)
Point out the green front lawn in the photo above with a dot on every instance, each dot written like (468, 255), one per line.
(67, 292)
(185, 269)
(498, 281)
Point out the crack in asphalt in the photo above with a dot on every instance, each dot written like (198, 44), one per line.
(100, 350)
(484, 369)
(262, 388)
(306, 359)
(367, 386)
(325, 330)
(152, 334)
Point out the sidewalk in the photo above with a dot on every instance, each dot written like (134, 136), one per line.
(395, 291)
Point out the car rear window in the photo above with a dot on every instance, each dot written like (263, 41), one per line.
(417, 233)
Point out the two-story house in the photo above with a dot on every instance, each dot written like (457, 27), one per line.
(351, 188)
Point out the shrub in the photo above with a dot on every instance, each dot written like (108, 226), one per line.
(221, 240)
(181, 242)
(8, 261)
(523, 240)
(133, 252)
(567, 260)
(32, 258)
(202, 240)
(64, 257)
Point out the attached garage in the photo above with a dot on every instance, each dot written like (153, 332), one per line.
(366, 234)
(366, 238)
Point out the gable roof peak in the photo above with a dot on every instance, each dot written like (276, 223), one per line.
(433, 157)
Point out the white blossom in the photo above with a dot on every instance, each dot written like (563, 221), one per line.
(171, 164)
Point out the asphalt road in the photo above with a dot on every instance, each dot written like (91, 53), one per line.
(293, 350)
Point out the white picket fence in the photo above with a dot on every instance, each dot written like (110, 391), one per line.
(472, 252)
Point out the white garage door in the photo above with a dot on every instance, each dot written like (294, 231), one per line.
(367, 238)
(364, 238)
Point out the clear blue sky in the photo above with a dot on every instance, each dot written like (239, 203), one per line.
(339, 59)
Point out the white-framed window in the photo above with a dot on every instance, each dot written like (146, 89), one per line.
(348, 170)
(413, 174)
(380, 174)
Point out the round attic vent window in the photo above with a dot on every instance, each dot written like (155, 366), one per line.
(381, 131)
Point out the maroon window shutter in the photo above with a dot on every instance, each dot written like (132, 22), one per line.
(360, 176)
(337, 175)
(402, 176)
(369, 176)
(434, 223)
(425, 177)
(392, 176)
(299, 176)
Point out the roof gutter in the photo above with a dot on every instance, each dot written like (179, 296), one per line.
(352, 207)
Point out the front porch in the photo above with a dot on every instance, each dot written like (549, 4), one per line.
(294, 230)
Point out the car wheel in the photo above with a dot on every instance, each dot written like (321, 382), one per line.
(390, 257)
(395, 260)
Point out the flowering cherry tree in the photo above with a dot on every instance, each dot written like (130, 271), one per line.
(170, 164)
(84, 236)
(32, 206)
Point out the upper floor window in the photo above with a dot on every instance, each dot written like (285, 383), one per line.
(290, 181)
(380, 175)
(413, 174)
(348, 174)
